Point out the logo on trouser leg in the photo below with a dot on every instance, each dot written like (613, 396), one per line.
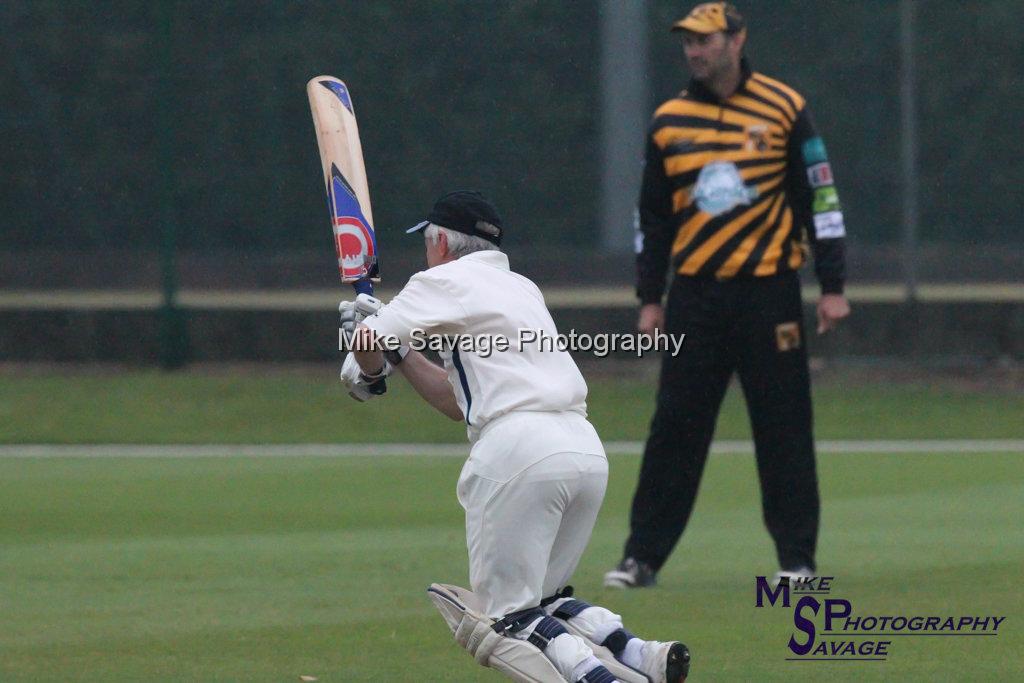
(787, 336)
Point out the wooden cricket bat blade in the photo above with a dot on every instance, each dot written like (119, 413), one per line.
(348, 193)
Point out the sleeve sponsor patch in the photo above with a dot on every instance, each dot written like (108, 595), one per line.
(826, 199)
(820, 175)
(829, 225)
(814, 151)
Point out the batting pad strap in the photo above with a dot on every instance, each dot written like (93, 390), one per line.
(599, 675)
(570, 609)
(564, 593)
(517, 621)
(546, 630)
(617, 640)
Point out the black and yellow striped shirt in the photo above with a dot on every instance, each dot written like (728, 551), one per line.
(737, 188)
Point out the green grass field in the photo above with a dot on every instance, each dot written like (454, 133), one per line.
(308, 406)
(271, 568)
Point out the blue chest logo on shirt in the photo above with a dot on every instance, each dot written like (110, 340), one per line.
(720, 188)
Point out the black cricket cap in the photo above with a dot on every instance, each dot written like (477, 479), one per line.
(467, 212)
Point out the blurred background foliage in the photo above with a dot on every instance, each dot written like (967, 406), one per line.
(501, 96)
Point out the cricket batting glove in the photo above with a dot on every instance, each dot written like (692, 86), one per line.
(354, 312)
(363, 387)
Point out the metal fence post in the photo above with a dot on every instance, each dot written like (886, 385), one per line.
(908, 149)
(624, 112)
(173, 330)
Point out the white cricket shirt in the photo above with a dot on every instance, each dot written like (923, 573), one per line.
(477, 295)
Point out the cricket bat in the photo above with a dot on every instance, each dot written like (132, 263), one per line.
(348, 194)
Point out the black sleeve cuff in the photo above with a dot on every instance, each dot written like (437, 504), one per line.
(649, 296)
(832, 286)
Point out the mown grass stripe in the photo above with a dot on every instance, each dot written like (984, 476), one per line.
(728, 447)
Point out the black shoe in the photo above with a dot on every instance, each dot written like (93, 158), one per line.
(677, 665)
(631, 573)
(792, 576)
(667, 662)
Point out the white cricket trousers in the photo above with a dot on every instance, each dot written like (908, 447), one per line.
(531, 488)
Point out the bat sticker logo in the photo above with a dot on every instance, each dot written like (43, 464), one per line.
(341, 91)
(353, 236)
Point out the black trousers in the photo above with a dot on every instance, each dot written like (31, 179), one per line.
(753, 326)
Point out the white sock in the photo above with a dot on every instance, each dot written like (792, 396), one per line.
(631, 654)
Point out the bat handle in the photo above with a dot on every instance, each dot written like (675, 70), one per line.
(365, 286)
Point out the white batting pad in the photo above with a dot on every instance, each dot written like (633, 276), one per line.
(622, 672)
(592, 625)
(517, 659)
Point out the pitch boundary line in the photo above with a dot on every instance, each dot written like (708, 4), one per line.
(737, 447)
(557, 296)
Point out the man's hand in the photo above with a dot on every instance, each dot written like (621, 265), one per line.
(354, 312)
(347, 315)
(652, 318)
(831, 309)
(360, 387)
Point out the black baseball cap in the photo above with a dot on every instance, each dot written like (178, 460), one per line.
(467, 212)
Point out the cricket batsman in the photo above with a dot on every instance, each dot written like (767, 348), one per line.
(537, 471)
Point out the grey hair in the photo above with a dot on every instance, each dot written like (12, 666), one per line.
(459, 243)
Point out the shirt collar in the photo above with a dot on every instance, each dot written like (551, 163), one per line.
(490, 257)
